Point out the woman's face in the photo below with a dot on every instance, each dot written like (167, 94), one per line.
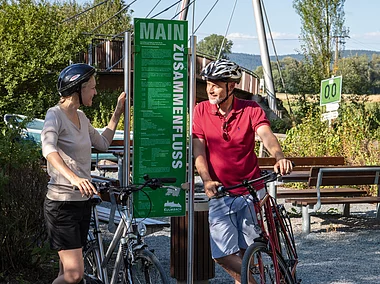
(88, 91)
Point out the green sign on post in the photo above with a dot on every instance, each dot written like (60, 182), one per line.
(160, 113)
(331, 90)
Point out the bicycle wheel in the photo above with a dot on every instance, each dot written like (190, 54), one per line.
(258, 264)
(146, 269)
(91, 258)
(286, 239)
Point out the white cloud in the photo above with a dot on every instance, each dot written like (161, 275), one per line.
(372, 34)
(240, 36)
(275, 35)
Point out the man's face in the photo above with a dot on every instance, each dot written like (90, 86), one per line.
(216, 91)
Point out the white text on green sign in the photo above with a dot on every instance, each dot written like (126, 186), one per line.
(160, 112)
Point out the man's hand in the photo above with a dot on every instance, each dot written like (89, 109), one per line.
(211, 188)
(283, 166)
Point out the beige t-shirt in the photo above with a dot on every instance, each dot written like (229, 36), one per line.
(60, 135)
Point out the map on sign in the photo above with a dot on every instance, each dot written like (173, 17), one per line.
(331, 90)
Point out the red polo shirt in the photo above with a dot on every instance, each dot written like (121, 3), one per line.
(231, 156)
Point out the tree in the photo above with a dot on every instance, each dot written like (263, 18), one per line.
(39, 38)
(35, 46)
(107, 20)
(355, 72)
(322, 21)
(211, 46)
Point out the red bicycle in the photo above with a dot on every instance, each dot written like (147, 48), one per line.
(272, 257)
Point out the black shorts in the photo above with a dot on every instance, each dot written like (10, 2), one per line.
(67, 223)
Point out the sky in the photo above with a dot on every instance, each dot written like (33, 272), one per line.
(361, 17)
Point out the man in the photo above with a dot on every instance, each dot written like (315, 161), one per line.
(224, 130)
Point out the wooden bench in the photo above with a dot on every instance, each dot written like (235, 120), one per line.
(116, 149)
(302, 166)
(340, 178)
(300, 173)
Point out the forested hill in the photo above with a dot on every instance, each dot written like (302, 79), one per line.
(252, 61)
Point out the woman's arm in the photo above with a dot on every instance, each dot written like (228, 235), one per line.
(84, 185)
(109, 132)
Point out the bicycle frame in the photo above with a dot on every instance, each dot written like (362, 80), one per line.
(275, 234)
(268, 208)
(131, 248)
(122, 235)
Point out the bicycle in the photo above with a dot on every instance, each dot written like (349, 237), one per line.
(272, 257)
(134, 263)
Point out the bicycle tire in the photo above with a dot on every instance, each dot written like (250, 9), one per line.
(286, 240)
(91, 258)
(146, 269)
(263, 272)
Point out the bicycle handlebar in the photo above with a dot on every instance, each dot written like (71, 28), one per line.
(266, 177)
(153, 183)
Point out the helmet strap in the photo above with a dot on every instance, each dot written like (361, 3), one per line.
(80, 95)
(226, 98)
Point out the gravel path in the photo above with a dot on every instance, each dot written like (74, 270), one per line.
(338, 249)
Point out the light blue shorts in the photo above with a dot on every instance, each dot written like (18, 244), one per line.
(232, 224)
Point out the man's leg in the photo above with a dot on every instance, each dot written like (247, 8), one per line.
(231, 264)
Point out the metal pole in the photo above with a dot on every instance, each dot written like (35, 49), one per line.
(127, 114)
(192, 100)
(267, 70)
(184, 10)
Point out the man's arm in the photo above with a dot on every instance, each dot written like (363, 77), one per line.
(273, 146)
(199, 152)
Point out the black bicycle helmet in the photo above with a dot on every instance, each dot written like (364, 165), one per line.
(222, 70)
(72, 77)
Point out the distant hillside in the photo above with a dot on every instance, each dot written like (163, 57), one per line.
(252, 61)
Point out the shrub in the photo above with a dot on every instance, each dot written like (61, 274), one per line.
(22, 189)
(354, 134)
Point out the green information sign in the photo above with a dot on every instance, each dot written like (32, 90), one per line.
(331, 90)
(160, 113)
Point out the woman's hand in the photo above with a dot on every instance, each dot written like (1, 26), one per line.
(85, 186)
(120, 107)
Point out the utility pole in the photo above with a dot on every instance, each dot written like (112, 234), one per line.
(267, 69)
(339, 39)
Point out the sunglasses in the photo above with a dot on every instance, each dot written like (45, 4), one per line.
(225, 134)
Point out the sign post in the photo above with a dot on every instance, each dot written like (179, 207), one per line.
(160, 113)
(330, 96)
(331, 90)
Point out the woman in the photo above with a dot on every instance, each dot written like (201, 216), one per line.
(67, 137)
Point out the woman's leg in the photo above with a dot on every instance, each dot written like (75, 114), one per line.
(73, 268)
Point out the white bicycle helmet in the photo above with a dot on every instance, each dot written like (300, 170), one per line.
(222, 70)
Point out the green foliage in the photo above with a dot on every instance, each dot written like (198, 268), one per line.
(356, 71)
(212, 44)
(103, 106)
(322, 21)
(22, 190)
(35, 47)
(354, 135)
(109, 19)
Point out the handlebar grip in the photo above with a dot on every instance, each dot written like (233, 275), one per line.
(96, 185)
(220, 189)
